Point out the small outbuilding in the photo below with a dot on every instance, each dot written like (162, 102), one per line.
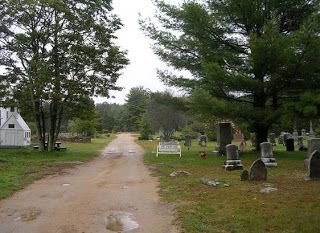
(14, 131)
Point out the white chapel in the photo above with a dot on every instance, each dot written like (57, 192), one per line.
(14, 131)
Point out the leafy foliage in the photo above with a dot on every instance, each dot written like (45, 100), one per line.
(83, 127)
(56, 52)
(166, 114)
(111, 116)
(137, 101)
(247, 58)
(145, 128)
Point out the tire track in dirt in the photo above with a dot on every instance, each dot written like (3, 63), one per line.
(113, 193)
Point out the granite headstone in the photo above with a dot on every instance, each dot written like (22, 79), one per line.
(314, 165)
(290, 144)
(267, 154)
(258, 171)
(233, 162)
(313, 144)
(244, 175)
(224, 136)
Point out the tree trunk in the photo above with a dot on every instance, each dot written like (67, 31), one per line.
(261, 127)
(54, 105)
(261, 135)
(53, 125)
(43, 127)
(58, 123)
(39, 128)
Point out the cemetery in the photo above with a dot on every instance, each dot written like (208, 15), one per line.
(217, 128)
(270, 187)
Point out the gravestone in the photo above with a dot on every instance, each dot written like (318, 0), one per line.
(224, 136)
(253, 139)
(244, 175)
(285, 137)
(301, 144)
(290, 144)
(272, 138)
(203, 140)
(233, 162)
(303, 132)
(187, 141)
(258, 171)
(313, 144)
(267, 154)
(295, 135)
(311, 129)
(314, 165)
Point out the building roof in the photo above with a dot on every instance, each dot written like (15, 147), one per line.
(18, 120)
(23, 124)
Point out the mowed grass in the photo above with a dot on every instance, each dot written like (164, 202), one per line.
(295, 207)
(20, 167)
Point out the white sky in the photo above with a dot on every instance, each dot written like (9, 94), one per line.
(143, 63)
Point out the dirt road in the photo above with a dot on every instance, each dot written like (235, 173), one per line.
(113, 193)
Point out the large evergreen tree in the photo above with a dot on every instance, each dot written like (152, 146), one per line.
(56, 52)
(246, 57)
(137, 101)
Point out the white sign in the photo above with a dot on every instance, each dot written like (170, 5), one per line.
(172, 147)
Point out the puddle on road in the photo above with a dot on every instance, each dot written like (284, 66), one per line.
(30, 216)
(112, 152)
(121, 222)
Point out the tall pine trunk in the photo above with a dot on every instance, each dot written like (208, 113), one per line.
(260, 125)
(261, 132)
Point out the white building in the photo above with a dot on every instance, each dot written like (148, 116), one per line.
(14, 132)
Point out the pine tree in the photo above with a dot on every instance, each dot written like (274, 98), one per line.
(246, 57)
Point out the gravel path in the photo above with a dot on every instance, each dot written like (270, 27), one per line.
(113, 193)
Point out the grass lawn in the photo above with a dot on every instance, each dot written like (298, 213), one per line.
(295, 207)
(20, 167)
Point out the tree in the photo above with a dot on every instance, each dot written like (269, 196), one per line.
(145, 128)
(56, 52)
(113, 116)
(137, 101)
(165, 113)
(3, 89)
(109, 114)
(247, 57)
(301, 111)
(83, 127)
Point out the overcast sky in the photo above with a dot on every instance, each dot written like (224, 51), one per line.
(143, 63)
